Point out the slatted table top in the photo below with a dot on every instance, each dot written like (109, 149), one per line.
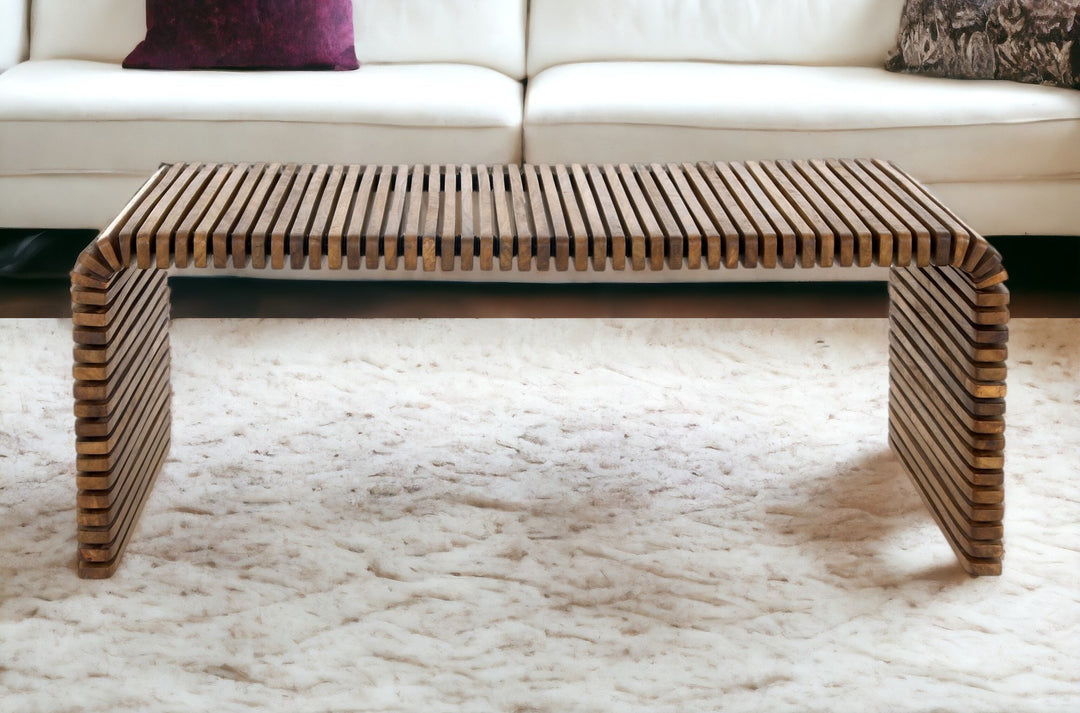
(562, 217)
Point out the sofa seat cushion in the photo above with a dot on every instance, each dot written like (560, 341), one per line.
(939, 130)
(71, 116)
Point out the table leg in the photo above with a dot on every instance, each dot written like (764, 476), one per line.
(122, 405)
(947, 350)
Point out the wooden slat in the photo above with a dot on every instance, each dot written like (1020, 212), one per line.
(100, 347)
(374, 225)
(952, 459)
(868, 209)
(670, 243)
(760, 238)
(169, 232)
(467, 228)
(154, 202)
(541, 231)
(319, 233)
(146, 238)
(188, 233)
(523, 232)
(486, 218)
(685, 242)
(924, 234)
(339, 220)
(448, 230)
(631, 205)
(221, 194)
(977, 522)
(703, 238)
(801, 245)
(260, 235)
(292, 203)
(120, 349)
(938, 249)
(960, 415)
(591, 224)
(429, 231)
(573, 202)
(97, 398)
(394, 230)
(958, 301)
(504, 216)
(361, 203)
(96, 570)
(950, 385)
(242, 184)
(958, 372)
(295, 239)
(103, 527)
(107, 296)
(644, 197)
(975, 540)
(966, 366)
(952, 427)
(601, 183)
(961, 235)
(113, 423)
(410, 231)
(556, 213)
(959, 322)
(109, 241)
(103, 462)
(732, 201)
(550, 224)
(156, 393)
(723, 236)
(779, 244)
(259, 207)
(120, 315)
(848, 227)
(833, 232)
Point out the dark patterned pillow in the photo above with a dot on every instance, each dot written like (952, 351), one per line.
(1032, 41)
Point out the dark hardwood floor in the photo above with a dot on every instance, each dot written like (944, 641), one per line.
(35, 285)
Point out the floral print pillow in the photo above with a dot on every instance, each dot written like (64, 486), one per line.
(1032, 41)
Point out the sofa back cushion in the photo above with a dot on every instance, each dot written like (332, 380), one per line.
(819, 32)
(98, 30)
(489, 33)
(12, 32)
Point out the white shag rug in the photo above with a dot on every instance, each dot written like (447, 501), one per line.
(558, 515)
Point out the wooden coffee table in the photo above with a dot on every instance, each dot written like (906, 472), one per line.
(948, 302)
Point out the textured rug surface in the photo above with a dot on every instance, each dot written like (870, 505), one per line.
(561, 515)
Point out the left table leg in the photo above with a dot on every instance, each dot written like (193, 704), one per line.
(122, 405)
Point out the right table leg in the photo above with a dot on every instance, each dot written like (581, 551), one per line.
(947, 350)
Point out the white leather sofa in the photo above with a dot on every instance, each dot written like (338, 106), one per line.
(494, 81)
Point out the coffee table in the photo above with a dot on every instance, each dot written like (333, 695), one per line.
(948, 301)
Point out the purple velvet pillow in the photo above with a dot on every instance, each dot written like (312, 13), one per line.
(246, 34)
